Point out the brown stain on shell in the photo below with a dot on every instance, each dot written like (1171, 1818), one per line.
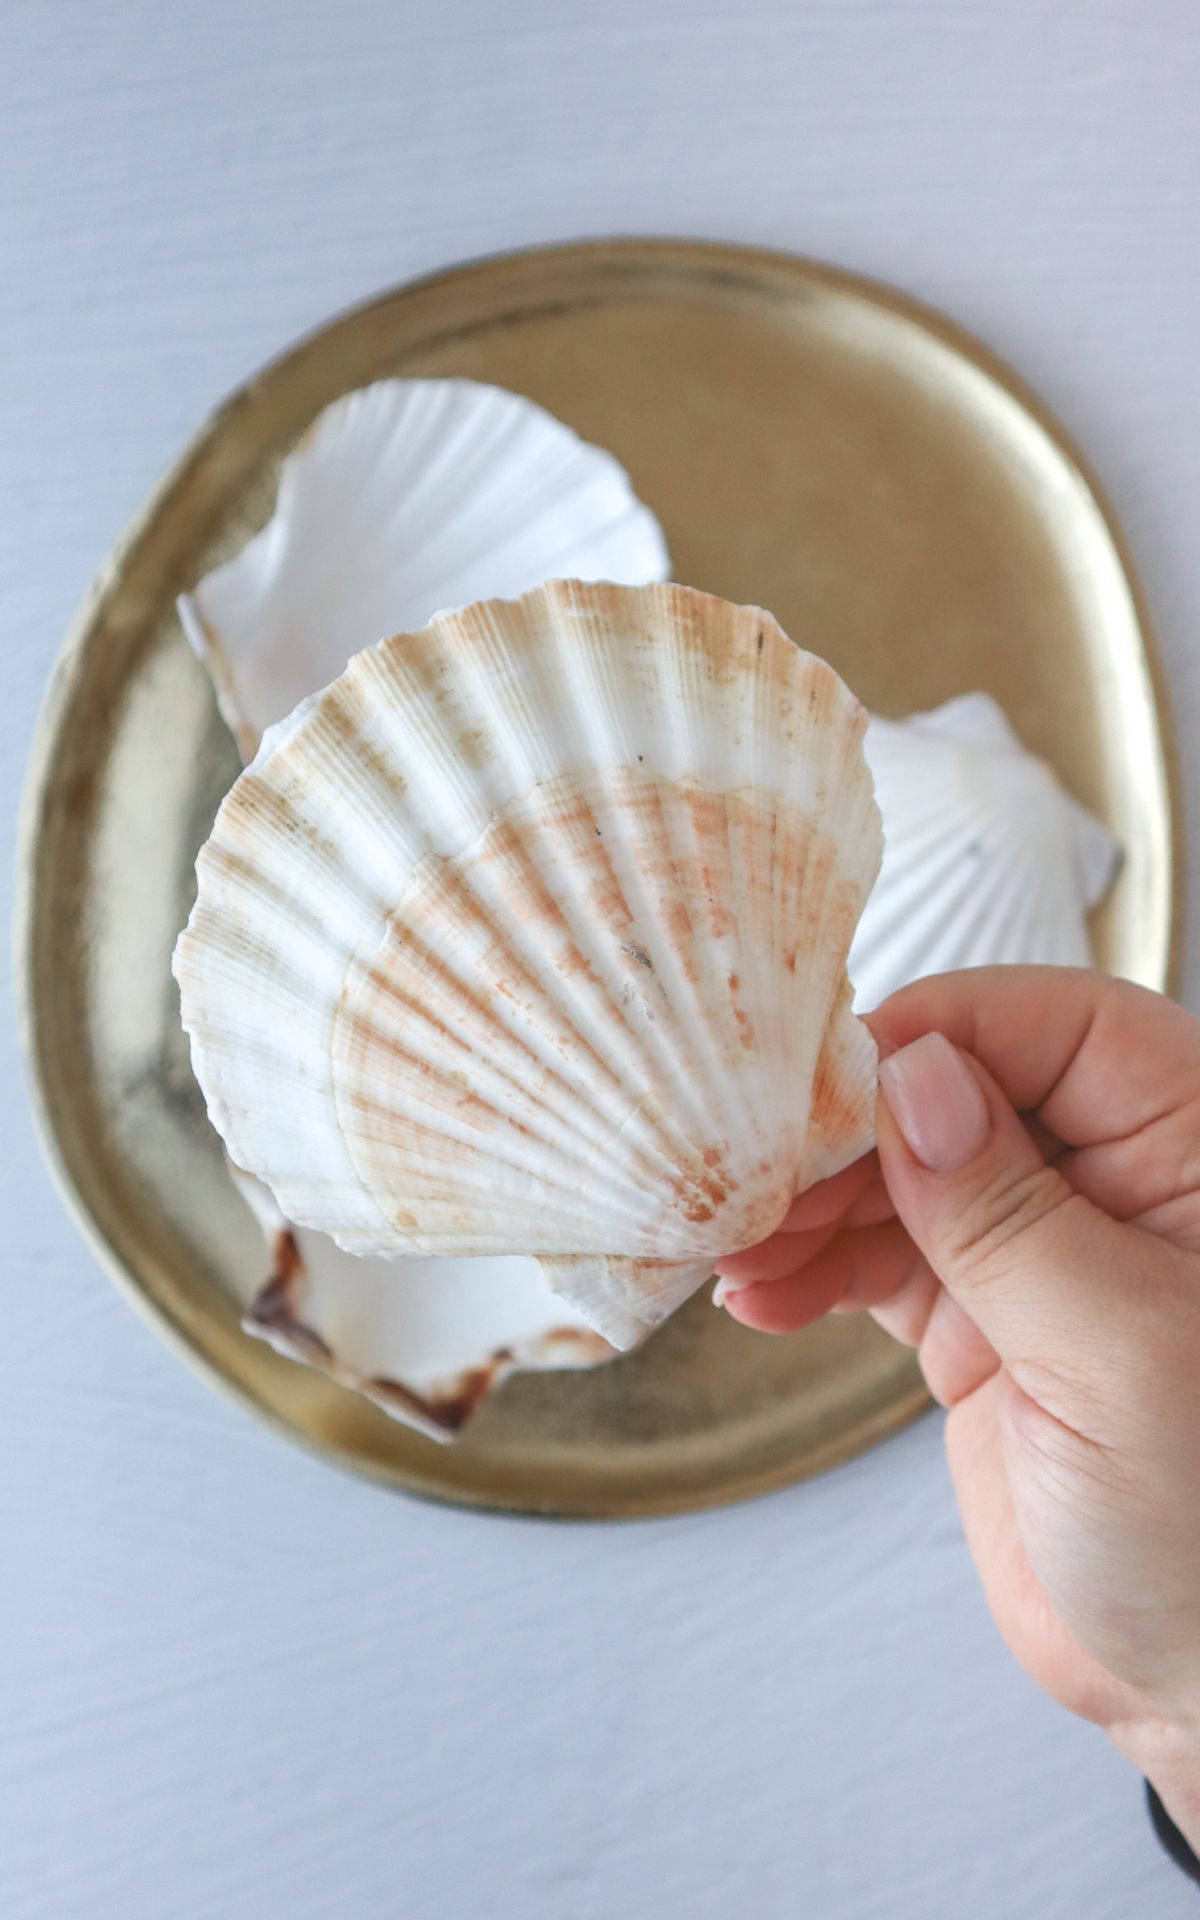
(465, 1011)
(415, 1008)
(838, 1111)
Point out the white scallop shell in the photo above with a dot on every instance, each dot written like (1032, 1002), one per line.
(426, 1340)
(402, 499)
(987, 858)
(528, 935)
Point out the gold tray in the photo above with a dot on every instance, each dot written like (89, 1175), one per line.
(811, 442)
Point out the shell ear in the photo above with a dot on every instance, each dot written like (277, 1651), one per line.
(627, 1298)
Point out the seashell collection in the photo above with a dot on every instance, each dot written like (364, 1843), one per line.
(517, 978)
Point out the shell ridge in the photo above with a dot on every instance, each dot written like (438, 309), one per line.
(701, 981)
(565, 1041)
(672, 1146)
(650, 949)
(501, 1014)
(845, 1082)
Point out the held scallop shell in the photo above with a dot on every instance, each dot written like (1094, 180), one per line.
(987, 858)
(528, 935)
(426, 1340)
(404, 498)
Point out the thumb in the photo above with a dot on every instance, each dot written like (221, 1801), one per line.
(1040, 1270)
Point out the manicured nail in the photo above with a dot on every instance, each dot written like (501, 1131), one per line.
(725, 1288)
(936, 1102)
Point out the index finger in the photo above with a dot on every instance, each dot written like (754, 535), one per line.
(1096, 1059)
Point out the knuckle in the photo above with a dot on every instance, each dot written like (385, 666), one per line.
(1069, 1446)
(1065, 1456)
(993, 1223)
(1072, 1401)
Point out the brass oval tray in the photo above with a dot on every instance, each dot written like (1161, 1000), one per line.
(811, 442)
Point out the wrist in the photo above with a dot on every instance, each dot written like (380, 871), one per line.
(1167, 1752)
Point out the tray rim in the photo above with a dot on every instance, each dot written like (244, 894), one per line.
(724, 260)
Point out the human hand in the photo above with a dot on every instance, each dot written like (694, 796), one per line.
(1047, 1269)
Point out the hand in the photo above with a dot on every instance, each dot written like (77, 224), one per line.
(1031, 1224)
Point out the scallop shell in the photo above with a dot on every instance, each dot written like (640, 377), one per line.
(426, 1340)
(528, 936)
(987, 858)
(404, 498)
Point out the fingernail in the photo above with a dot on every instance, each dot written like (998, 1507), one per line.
(936, 1102)
(725, 1288)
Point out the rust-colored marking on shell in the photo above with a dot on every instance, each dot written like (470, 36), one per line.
(477, 1112)
(427, 995)
(838, 1112)
(700, 1190)
(280, 799)
(713, 817)
(347, 715)
(677, 926)
(572, 962)
(417, 1008)
(419, 983)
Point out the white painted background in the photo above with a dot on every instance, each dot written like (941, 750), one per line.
(232, 1683)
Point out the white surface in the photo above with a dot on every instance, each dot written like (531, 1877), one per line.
(231, 1682)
